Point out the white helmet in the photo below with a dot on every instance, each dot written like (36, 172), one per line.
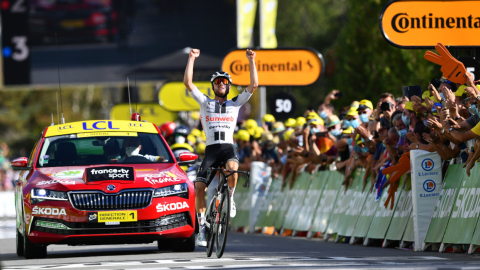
(221, 74)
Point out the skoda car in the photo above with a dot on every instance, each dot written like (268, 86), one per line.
(103, 182)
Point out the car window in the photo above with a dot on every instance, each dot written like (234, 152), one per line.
(79, 150)
(34, 152)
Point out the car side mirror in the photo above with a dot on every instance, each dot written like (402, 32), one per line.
(187, 159)
(19, 164)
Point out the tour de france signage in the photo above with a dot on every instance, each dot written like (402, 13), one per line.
(423, 24)
(276, 67)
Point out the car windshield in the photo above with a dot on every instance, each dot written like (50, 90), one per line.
(73, 150)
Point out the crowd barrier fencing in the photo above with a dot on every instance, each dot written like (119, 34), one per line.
(318, 203)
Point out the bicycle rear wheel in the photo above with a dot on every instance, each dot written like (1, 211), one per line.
(210, 217)
(223, 222)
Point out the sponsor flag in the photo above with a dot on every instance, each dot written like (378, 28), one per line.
(268, 19)
(245, 19)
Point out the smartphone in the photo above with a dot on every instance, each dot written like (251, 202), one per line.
(321, 134)
(338, 95)
(385, 106)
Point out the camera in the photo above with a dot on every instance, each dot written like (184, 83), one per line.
(386, 106)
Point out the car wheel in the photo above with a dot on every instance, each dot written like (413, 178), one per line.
(19, 244)
(184, 245)
(31, 250)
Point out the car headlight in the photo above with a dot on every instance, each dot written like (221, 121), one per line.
(47, 194)
(178, 190)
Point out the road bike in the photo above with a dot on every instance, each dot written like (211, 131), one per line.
(217, 217)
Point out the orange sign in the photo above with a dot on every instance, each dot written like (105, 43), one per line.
(423, 24)
(277, 67)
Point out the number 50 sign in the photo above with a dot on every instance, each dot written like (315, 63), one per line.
(282, 106)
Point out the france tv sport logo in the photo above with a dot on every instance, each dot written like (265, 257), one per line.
(427, 164)
(429, 186)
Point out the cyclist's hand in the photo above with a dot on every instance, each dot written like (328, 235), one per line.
(250, 54)
(194, 53)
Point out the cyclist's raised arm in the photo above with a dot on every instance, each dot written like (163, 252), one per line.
(188, 77)
(253, 72)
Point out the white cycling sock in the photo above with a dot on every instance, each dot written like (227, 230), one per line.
(232, 190)
(201, 218)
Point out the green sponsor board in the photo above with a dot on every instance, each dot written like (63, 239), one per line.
(443, 208)
(272, 214)
(311, 201)
(401, 216)
(296, 205)
(285, 204)
(366, 216)
(272, 190)
(383, 216)
(327, 202)
(409, 234)
(354, 205)
(243, 201)
(465, 210)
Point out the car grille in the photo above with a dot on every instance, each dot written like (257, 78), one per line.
(143, 226)
(98, 200)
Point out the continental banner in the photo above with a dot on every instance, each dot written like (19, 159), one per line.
(465, 211)
(268, 19)
(445, 202)
(246, 10)
(422, 24)
(296, 206)
(346, 226)
(310, 204)
(326, 203)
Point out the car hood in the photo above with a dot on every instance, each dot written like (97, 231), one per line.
(73, 178)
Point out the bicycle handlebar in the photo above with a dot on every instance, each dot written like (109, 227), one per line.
(247, 174)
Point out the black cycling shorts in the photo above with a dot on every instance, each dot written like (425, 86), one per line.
(216, 155)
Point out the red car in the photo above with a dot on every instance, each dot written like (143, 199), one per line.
(103, 182)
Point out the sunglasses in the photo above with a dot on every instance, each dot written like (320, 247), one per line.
(221, 80)
(363, 112)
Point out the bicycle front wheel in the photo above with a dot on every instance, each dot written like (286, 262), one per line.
(223, 222)
(210, 218)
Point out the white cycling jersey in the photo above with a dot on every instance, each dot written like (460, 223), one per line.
(219, 121)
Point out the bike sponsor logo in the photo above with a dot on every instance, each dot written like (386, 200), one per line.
(219, 119)
(427, 164)
(49, 182)
(172, 206)
(221, 126)
(48, 211)
(162, 177)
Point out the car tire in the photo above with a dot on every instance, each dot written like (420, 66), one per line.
(184, 245)
(19, 244)
(31, 250)
(164, 245)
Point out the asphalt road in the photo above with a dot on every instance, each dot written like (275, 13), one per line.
(243, 251)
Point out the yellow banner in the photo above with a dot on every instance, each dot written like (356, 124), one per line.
(245, 20)
(122, 216)
(100, 126)
(268, 20)
(174, 96)
(96, 134)
(151, 112)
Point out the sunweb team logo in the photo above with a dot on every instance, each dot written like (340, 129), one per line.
(427, 164)
(429, 186)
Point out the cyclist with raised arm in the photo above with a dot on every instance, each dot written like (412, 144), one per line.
(219, 118)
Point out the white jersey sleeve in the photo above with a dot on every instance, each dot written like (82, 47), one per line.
(198, 96)
(242, 98)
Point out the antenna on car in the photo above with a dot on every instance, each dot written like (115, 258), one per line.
(59, 85)
(129, 102)
(53, 124)
(135, 71)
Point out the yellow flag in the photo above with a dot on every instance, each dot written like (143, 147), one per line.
(245, 19)
(268, 19)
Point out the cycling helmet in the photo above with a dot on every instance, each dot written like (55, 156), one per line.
(221, 74)
(167, 129)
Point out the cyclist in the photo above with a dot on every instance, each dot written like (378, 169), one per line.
(219, 118)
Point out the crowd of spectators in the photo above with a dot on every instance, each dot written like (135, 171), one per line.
(367, 134)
